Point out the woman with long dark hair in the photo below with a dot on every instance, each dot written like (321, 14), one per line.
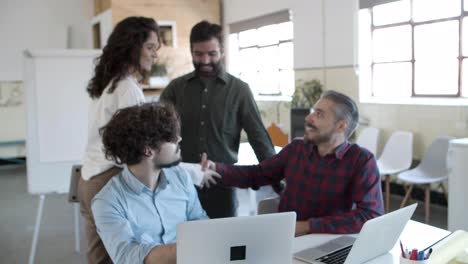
(126, 59)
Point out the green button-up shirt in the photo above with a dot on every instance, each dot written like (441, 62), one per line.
(213, 113)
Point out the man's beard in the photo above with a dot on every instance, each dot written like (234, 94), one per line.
(216, 68)
(318, 139)
(168, 165)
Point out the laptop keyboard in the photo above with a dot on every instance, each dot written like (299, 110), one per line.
(337, 257)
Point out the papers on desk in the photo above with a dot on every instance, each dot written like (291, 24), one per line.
(452, 250)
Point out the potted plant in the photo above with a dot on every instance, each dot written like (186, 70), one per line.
(306, 93)
(303, 99)
(158, 76)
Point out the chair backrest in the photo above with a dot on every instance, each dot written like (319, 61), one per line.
(398, 151)
(74, 180)
(268, 206)
(435, 158)
(369, 139)
(278, 137)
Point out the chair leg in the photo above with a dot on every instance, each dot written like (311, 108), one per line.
(407, 195)
(387, 193)
(444, 190)
(427, 201)
(410, 198)
(76, 208)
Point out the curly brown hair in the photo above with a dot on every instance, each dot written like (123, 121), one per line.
(121, 52)
(133, 129)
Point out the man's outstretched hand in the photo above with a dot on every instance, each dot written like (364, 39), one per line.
(209, 172)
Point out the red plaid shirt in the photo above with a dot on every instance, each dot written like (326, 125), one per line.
(319, 189)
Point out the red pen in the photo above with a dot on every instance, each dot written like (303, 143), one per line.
(414, 254)
(402, 250)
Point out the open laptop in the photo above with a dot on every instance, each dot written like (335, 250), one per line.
(261, 239)
(377, 237)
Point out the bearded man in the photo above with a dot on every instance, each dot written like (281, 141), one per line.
(214, 107)
(332, 185)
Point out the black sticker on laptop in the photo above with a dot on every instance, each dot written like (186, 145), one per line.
(238, 253)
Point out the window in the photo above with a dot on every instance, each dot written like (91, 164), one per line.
(413, 48)
(261, 54)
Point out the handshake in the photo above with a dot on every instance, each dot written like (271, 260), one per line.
(203, 174)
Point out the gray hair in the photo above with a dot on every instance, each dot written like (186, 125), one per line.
(346, 109)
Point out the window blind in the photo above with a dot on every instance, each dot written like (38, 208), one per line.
(371, 3)
(274, 18)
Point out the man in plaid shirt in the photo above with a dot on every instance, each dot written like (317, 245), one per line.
(333, 185)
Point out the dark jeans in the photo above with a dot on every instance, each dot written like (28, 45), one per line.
(218, 201)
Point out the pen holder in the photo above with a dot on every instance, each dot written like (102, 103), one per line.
(408, 261)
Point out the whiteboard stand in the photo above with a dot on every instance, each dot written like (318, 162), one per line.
(56, 133)
(37, 226)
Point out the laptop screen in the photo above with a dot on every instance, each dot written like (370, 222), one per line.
(261, 239)
(366, 246)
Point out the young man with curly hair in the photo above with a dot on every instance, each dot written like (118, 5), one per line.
(137, 211)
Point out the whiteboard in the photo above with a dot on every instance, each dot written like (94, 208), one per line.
(56, 115)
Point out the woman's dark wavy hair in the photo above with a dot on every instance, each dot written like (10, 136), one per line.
(121, 52)
(133, 129)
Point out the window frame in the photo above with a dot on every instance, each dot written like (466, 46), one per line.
(420, 98)
(283, 16)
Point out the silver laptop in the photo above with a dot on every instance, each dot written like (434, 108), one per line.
(261, 239)
(351, 250)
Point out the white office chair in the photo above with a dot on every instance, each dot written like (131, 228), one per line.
(74, 198)
(268, 206)
(396, 157)
(369, 139)
(432, 169)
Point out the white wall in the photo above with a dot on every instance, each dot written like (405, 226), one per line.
(324, 49)
(340, 32)
(320, 28)
(40, 24)
(34, 24)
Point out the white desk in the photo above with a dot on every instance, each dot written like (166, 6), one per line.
(415, 235)
(247, 157)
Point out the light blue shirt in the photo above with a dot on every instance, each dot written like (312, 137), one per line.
(131, 219)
